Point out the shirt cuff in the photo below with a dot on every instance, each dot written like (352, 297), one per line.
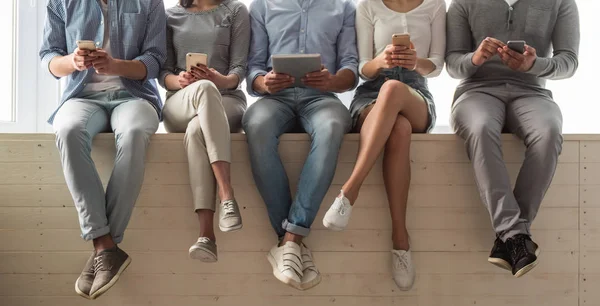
(162, 78)
(356, 76)
(46, 62)
(152, 66)
(250, 81)
(539, 66)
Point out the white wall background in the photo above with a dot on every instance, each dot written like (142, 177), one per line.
(36, 94)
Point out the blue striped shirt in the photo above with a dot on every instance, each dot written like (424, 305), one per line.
(137, 32)
(325, 27)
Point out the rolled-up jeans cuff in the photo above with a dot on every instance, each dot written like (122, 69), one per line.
(295, 229)
(97, 233)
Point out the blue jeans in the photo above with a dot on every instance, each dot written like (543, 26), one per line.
(326, 119)
(133, 120)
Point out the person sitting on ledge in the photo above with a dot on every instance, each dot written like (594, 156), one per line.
(109, 86)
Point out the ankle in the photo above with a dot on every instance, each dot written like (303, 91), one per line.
(291, 237)
(226, 193)
(350, 193)
(401, 241)
(104, 243)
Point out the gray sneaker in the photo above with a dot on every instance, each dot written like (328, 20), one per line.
(204, 250)
(108, 267)
(83, 285)
(230, 218)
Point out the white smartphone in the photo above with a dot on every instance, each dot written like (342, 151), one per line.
(516, 45)
(195, 59)
(401, 40)
(86, 45)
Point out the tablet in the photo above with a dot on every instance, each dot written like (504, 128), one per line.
(296, 65)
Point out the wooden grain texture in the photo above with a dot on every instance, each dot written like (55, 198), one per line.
(41, 252)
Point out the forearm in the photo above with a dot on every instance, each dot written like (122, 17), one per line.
(371, 69)
(424, 66)
(343, 81)
(460, 66)
(62, 66)
(259, 85)
(133, 70)
(231, 81)
(172, 82)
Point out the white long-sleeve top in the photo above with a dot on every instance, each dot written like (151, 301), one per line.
(426, 24)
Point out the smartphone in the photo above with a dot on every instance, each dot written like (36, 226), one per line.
(401, 40)
(516, 45)
(86, 45)
(193, 59)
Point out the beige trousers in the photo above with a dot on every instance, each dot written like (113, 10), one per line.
(199, 111)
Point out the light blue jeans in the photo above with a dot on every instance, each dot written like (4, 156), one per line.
(326, 119)
(76, 123)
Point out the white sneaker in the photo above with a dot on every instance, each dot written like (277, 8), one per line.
(286, 261)
(230, 218)
(338, 215)
(204, 250)
(311, 276)
(403, 270)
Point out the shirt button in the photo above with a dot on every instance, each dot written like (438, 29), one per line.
(303, 11)
(302, 51)
(302, 30)
(97, 43)
(102, 22)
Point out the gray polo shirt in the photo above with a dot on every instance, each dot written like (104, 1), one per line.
(550, 26)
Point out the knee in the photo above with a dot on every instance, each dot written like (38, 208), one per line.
(401, 130)
(71, 134)
(204, 88)
(549, 136)
(392, 93)
(259, 128)
(132, 138)
(330, 132)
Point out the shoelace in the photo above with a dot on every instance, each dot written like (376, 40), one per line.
(203, 240)
(340, 207)
(519, 249)
(401, 262)
(229, 208)
(102, 262)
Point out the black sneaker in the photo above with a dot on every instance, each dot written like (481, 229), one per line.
(499, 256)
(523, 253)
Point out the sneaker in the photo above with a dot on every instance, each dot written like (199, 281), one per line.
(230, 218)
(403, 270)
(338, 215)
(524, 254)
(204, 250)
(108, 267)
(83, 285)
(286, 261)
(499, 256)
(310, 274)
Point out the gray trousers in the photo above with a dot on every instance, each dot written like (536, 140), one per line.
(479, 116)
(133, 121)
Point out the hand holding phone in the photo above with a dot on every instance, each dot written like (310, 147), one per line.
(87, 45)
(195, 59)
(401, 40)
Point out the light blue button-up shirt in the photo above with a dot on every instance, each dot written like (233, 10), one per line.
(325, 27)
(137, 32)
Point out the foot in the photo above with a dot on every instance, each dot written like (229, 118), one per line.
(524, 254)
(311, 276)
(230, 218)
(499, 256)
(338, 215)
(403, 270)
(286, 261)
(108, 267)
(204, 250)
(83, 285)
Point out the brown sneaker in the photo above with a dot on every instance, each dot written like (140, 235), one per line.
(83, 285)
(108, 266)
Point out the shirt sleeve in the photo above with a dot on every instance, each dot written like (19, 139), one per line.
(54, 41)
(240, 36)
(459, 42)
(365, 36)
(154, 50)
(259, 45)
(169, 67)
(438, 39)
(347, 55)
(565, 42)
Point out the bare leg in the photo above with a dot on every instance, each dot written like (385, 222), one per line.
(222, 172)
(394, 98)
(103, 243)
(291, 237)
(396, 176)
(205, 218)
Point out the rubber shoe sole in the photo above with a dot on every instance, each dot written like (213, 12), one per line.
(231, 229)
(113, 281)
(282, 278)
(79, 292)
(501, 263)
(203, 255)
(313, 283)
(332, 227)
(530, 266)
